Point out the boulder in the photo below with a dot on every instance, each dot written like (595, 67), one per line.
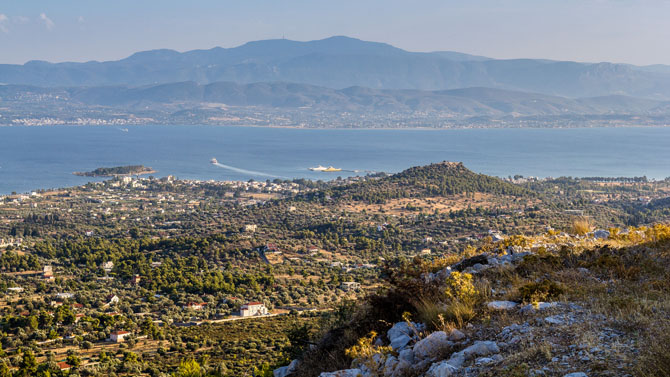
(455, 335)
(601, 234)
(390, 365)
(343, 373)
(457, 359)
(400, 334)
(441, 369)
(481, 348)
(531, 308)
(286, 370)
(433, 345)
(406, 355)
(501, 305)
(554, 320)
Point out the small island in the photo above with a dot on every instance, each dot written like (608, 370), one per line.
(118, 171)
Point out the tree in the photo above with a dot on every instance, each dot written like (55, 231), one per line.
(189, 368)
(28, 366)
(73, 360)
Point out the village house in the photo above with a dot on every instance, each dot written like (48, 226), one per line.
(15, 289)
(250, 228)
(108, 266)
(195, 305)
(350, 285)
(112, 299)
(253, 309)
(119, 336)
(47, 273)
(136, 280)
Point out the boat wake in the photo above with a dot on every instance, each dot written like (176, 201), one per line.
(244, 171)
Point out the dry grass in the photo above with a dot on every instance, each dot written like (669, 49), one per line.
(581, 226)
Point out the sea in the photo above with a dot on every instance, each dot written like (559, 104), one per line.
(34, 158)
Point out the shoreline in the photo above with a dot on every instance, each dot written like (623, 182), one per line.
(352, 128)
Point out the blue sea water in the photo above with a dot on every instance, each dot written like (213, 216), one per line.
(45, 157)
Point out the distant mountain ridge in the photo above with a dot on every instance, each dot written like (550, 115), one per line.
(466, 102)
(342, 62)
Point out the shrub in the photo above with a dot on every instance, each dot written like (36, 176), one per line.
(364, 351)
(581, 226)
(460, 287)
(544, 290)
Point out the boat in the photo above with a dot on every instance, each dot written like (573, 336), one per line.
(329, 169)
(213, 161)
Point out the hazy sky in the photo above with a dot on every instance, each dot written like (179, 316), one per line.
(627, 31)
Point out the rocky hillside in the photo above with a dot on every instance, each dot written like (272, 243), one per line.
(592, 303)
(439, 179)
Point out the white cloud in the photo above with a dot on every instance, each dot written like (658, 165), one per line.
(3, 22)
(47, 21)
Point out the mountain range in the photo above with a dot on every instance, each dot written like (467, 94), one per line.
(466, 102)
(342, 62)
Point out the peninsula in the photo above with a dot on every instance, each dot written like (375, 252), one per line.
(117, 171)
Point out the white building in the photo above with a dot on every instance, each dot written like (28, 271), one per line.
(252, 309)
(108, 266)
(350, 285)
(118, 336)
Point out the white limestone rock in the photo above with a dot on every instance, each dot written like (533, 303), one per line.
(481, 348)
(455, 335)
(432, 346)
(501, 305)
(441, 369)
(343, 373)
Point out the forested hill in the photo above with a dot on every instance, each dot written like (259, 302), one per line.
(439, 179)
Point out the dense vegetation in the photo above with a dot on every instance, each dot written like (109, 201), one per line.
(161, 245)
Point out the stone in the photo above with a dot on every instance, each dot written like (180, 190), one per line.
(531, 308)
(576, 374)
(483, 361)
(400, 335)
(406, 355)
(554, 320)
(390, 365)
(481, 348)
(399, 329)
(343, 373)
(400, 342)
(432, 346)
(501, 305)
(601, 234)
(441, 369)
(457, 359)
(401, 369)
(455, 335)
(286, 370)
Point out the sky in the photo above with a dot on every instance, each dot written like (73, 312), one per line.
(621, 31)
